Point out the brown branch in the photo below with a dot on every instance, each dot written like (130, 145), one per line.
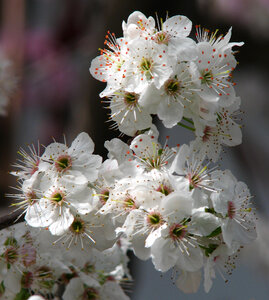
(10, 219)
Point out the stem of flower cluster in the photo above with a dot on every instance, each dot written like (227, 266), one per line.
(185, 126)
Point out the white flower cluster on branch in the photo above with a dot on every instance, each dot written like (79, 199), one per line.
(167, 204)
(162, 71)
(31, 265)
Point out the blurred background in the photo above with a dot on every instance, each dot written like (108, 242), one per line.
(52, 42)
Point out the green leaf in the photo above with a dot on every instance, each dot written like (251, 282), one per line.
(102, 278)
(142, 131)
(22, 295)
(210, 210)
(185, 126)
(215, 232)
(209, 249)
(2, 288)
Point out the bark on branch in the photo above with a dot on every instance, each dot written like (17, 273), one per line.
(10, 219)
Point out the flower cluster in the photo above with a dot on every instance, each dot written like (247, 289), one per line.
(176, 210)
(167, 204)
(30, 266)
(60, 192)
(162, 71)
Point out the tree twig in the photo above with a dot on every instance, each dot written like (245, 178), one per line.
(10, 219)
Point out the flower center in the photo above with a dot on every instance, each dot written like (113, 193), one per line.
(158, 159)
(27, 279)
(31, 197)
(44, 277)
(206, 77)
(146, 66)
(196, 177)
(162, 38)
(63, 163)
(77, 226)
(177, 232)
(164, 189)
(193, 181)
(35, 167)
(231, 210)
(58, 198)
(129, 204)
(155, 219)
(90, 294)
(207, 134)
(172, 87)
(11, 255)
(130, 99)
(104, 195)
(88, 268)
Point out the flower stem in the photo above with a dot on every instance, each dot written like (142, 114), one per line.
(185, 126)
(188, 120)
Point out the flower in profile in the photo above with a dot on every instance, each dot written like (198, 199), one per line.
(138, 25)
(127, 112)
(237, 221)
(220, 131)
(190, 164)
(28, 163)
(215, 64)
